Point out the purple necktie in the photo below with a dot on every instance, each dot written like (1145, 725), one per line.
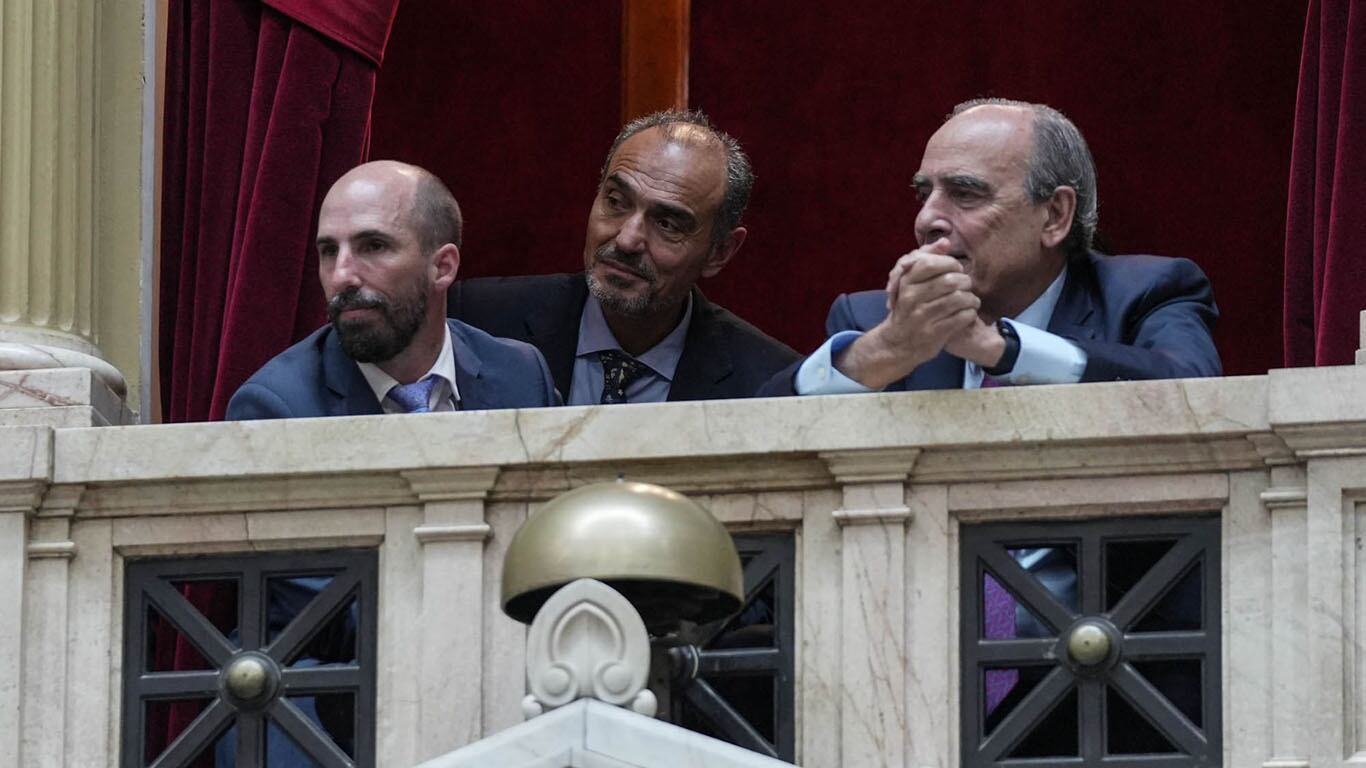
(999, 624)
(415, 397)
(991, 382)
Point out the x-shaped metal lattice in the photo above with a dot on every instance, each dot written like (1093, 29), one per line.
(1112, 696)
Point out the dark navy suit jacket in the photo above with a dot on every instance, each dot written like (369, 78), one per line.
(315, 377)
(1137, 317)
(723, 356)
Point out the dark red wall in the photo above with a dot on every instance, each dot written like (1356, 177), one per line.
(513, 104)
(1187, 106)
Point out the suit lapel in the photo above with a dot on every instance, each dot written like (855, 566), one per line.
(349, 392)
(467, 367)
(553, 328)
(706, 356)
(1075, 317)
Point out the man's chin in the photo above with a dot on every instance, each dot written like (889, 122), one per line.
(615, 299)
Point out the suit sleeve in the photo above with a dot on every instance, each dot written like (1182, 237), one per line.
(254, 401)
(550, 396)
(1168, 332)
(840, 318)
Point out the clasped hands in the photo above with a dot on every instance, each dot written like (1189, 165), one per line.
(931, 307)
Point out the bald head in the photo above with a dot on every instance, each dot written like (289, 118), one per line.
(430, 209)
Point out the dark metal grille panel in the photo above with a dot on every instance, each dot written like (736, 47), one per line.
(744, 692)
(310, 617)
(1153, 584)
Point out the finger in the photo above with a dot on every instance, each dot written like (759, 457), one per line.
(940, 246)
(902, 265)
(927, 266)
(912, 295)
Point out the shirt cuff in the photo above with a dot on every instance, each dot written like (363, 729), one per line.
(1045, 358)
(818, 375)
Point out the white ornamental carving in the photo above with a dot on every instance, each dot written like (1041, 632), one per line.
(588, 641)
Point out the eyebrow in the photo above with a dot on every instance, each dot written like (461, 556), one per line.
(958, 180)
(686, 218)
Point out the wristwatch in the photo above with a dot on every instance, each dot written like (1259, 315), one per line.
(1012, 352)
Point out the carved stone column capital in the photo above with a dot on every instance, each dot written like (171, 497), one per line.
(588, 641)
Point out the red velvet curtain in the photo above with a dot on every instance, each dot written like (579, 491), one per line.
(262, 113)
(1325, 238)
(266, 105)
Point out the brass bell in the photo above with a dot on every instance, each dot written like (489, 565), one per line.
(667, 555)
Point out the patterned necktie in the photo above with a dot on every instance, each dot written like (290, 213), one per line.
(618, 371)
(415, 397)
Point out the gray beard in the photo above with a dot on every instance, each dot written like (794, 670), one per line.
(611, 301)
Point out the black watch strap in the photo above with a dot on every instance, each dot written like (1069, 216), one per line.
(1012, 352)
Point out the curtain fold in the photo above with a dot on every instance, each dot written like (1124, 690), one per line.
(1325, 239)
(262, 114)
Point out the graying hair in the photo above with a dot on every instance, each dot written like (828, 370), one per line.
(739, 173)
(436, 215)
(1060, 159)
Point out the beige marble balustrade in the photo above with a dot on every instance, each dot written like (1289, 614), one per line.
(71, 86)
(874, 487)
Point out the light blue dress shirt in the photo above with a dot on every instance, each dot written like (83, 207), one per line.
(585, 383)
(1044, 358)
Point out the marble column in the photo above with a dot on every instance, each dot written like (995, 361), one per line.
(1361, 342)
(1287, 503)
(450, 640)
(873, 518)
(49, 239)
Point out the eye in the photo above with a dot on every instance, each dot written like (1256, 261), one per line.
(373, 245)
(921, 194)
(327, 251)
(668, 226)
(614, 201)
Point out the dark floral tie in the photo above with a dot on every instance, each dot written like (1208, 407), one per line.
(618, 371)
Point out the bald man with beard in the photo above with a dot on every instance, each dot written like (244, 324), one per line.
(388, 244)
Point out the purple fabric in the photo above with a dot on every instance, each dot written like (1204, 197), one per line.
(998, 623)
(991, 382)
(415, 397)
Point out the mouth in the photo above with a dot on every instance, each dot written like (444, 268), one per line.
(618, 267)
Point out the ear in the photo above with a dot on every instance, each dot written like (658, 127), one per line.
(724, 251)
(445, 265)
(1060, 209)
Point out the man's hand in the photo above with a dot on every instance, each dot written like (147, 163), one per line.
(979, 342)
(929, 300)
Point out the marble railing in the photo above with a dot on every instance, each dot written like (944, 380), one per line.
(875, 488)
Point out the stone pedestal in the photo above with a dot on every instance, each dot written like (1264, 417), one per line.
(69, 184)
(59, 397)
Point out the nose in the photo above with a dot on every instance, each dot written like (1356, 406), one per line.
(340, 272)
(932, 222)
(631, 237)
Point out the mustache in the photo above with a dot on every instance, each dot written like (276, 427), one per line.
(631, 262)
(355, 298)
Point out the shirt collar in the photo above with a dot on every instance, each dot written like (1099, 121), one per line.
(1038, 314)
(444, 369)
(595, 336)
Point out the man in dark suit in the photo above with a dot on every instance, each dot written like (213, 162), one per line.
(1004, 288)
(388, 249)
(633, 327)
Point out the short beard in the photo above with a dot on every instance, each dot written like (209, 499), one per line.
(384, 338)
(615, 302)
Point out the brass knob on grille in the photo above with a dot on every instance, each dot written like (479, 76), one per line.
(1088, 644)
(250, 680)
